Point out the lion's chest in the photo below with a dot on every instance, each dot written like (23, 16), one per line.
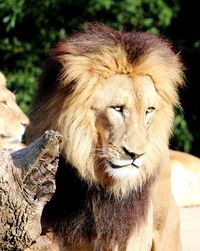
(79, 214)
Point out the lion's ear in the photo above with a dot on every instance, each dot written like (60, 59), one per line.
(2, 79)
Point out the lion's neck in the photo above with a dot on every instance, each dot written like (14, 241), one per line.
(79, 213)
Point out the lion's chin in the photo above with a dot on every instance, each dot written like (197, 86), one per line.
(12, 140)
(122, 172)
(123, 169)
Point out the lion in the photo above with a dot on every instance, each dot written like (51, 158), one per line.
(111, 95)
(13, 121)
(185, 178)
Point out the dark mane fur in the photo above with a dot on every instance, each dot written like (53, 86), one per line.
(79, 213)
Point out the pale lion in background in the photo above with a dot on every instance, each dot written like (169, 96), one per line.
(13, 121)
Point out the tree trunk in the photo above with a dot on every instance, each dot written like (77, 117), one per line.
(27, 182)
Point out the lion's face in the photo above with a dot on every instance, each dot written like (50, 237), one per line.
(124, 110)
(12, 120)
(118, 137)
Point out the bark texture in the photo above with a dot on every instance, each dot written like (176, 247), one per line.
(27, 183)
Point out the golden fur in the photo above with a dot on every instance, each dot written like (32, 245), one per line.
(12, 119)
(111, 95)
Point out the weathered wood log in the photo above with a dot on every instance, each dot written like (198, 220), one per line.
(27, 182)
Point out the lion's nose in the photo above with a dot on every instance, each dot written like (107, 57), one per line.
(131, 154)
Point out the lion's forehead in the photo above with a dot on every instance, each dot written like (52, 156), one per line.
(126, 90)
(145, 89)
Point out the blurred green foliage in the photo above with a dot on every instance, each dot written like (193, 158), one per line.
(182, 137)
(29, 28)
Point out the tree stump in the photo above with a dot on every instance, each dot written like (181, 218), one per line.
(27, 182)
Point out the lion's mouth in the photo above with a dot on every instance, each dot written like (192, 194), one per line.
(121, 169)
(10, 139)
(115, 166)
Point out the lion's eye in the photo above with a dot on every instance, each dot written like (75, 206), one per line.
(150, 110)
(148, 115)
(118, 108)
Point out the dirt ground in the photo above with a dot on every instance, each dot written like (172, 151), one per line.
(190, 228)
